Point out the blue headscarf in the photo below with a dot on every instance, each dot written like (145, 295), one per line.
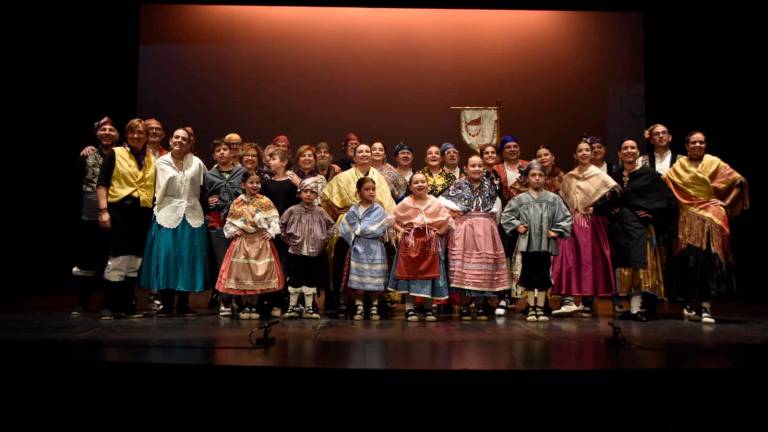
(504, 140)
(445, 147)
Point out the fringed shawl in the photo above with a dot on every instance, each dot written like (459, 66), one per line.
(251, 215)
(469, 198)
(581, 190)
(701, 217)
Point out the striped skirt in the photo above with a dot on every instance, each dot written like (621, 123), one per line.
(476, 259)
(251, 266)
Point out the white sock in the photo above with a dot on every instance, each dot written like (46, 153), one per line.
(635, 301)
(531, 298)
(293, 296)
(541, 297)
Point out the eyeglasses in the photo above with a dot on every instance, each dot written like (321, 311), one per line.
(660, 133)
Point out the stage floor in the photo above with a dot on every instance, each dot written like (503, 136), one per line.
(739, 340)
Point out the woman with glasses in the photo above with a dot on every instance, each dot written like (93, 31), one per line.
(251, 157)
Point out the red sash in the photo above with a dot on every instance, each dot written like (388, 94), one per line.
(214, 220)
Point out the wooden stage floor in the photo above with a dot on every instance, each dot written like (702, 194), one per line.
(738, 340)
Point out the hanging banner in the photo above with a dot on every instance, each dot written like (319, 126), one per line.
(479, 126)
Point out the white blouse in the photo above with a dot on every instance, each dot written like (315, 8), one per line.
(663, 162)
(177, 192)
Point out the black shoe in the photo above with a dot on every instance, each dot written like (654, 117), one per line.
(373, 313)
(465, 313)
(213, 303)
(429, 315)
(359, 313)
(482, 311)
(650, 306)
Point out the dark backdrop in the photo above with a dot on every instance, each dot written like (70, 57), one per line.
(315, 73)
(700, 73)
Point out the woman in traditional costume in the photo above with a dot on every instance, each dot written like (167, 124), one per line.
(709, 193)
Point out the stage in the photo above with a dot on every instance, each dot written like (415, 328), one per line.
(571, 363)
(739, 340)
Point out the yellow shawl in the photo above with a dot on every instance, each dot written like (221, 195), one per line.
(701, 217)
(340, 194)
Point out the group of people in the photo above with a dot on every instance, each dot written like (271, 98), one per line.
(266, 227)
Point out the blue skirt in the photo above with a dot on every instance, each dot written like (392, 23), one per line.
(175, 258)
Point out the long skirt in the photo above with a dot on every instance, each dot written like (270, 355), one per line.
(365, 268)
(700, 275)
(649, 279)
(175, 258)
(251, 266)
(583, 266)
(476, 261)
